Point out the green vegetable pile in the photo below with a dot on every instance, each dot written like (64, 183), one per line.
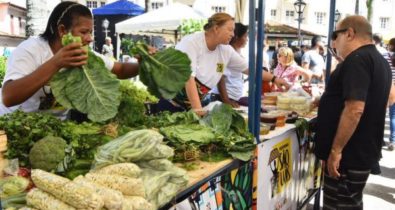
(90, 89)
(164, 73)
(220, 134)
(24, 129)
(131, 111)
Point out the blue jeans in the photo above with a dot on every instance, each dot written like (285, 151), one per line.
(392, 123)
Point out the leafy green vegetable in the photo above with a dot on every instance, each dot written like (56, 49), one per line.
(131, 111)
(47, 153)
(189, 134)
(166, 118)
(23, 129)
(91, 89)
(164, 73)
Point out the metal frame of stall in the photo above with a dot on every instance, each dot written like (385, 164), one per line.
(255, 77)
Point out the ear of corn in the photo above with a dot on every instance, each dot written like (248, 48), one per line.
(67, 191)
(113, 199)
(136, 203)
(44, 201)
(126, 185)
(123, 169)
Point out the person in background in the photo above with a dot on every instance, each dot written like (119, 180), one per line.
(351, 115)
(210, 54)
(391, 102)
(312, 60)
(108, 48)
(36, 60)
(378, 41)
(288, 69)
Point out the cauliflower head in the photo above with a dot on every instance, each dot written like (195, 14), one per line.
(47, 153)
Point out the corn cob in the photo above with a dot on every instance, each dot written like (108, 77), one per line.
(136, 203)
(113, 199)
(69, 192)
(44, 201)
(126, 185)
(27, 208)
(123, 169)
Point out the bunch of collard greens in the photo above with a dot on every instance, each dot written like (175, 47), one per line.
(223, 130)
(164, 73)
(90, 89)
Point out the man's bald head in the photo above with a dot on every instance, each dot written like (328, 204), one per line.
(362, 27)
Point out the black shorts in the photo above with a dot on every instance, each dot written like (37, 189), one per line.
(345, 192)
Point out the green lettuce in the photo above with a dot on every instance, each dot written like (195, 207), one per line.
(90, 89)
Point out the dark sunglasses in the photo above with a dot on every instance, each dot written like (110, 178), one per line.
(335, 33)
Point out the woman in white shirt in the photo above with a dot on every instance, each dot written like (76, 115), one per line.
(210, 54)
(34, 62)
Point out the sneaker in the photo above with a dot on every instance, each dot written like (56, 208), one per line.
(391, 146)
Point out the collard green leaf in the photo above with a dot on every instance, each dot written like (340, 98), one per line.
(92, 89)
(164, 73)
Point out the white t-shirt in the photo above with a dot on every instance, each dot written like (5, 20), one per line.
(208, 66)
(24, 60)
(234, 83)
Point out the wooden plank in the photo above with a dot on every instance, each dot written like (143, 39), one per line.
(205, 169)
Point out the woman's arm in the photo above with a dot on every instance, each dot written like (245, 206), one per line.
(125, 70)
(306, 74)
(224, 93)
(18, 91)
(193, 95)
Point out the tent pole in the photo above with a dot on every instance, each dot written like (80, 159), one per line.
(251, 66)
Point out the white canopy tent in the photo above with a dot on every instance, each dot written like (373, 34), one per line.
(167, 18)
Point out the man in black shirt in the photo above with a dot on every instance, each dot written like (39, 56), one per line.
(351, 114)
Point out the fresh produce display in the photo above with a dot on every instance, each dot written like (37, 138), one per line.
(134, 146)
(12, 185)
(123, 169)
(47, 153)
(131, 111)
(222, 131)
(67, 191)
(23, 129)
(112, 199)
(136, 203)
(90, 89)
(45, 201)
(164, 73)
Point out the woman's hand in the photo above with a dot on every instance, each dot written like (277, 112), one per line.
(72, 55)
(234, 104)
(281, 83)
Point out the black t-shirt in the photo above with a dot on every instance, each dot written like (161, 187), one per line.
(364, 76)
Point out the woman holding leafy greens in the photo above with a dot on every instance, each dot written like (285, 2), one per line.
(210, 53)
(35, 61)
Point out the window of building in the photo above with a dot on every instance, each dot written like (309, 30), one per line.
(12, 24)
(218, 8)
(94, 4)
(156, 5)
(89, 4)
(384, 22)
(289, 13)
(102, 3)
(320, 16)
(273, 13)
